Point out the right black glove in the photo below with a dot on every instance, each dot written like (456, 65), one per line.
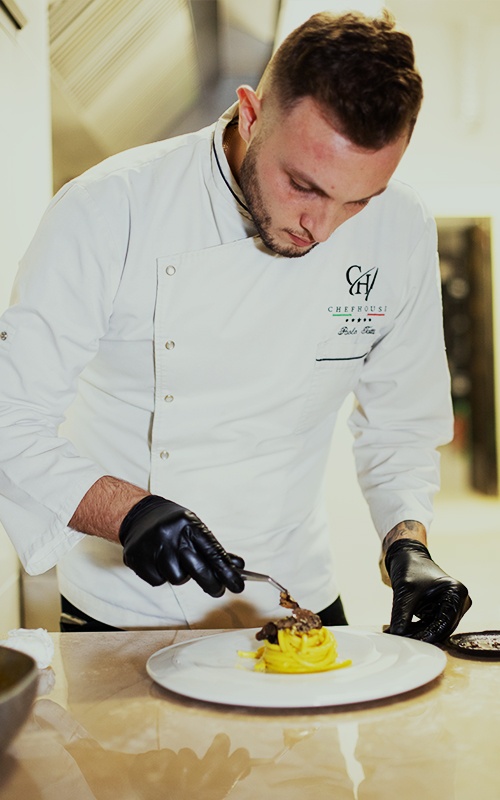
(163, 541)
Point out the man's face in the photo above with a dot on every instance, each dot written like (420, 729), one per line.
(302, 179)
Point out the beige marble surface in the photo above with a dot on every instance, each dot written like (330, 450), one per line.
(105, 731)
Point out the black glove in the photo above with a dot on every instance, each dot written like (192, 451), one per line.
(163, 541)
(422, 589)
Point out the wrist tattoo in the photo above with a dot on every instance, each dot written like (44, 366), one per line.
(409, 529)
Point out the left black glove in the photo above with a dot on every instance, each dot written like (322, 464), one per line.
(422, 589)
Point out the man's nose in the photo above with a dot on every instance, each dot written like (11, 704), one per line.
(321, 222)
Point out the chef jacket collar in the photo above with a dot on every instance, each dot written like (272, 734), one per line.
(221, 173)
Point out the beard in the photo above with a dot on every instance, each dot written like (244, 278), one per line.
(250, 186)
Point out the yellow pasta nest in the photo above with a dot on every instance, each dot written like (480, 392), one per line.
(314, 651)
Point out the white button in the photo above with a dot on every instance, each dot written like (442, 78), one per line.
(170, 270)
(164, 454)
(3, 335)
(168, 398)
(170, 345)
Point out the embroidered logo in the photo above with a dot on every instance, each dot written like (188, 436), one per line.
(361, 283)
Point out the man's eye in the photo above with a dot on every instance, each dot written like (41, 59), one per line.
(359, 203)
(298, 187)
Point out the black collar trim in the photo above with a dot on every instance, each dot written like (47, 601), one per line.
(225, 180)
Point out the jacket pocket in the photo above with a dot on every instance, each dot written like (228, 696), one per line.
(335, 374)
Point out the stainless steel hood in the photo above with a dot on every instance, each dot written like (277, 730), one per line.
(127, 72)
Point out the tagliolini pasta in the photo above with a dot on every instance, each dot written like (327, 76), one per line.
(314, 651)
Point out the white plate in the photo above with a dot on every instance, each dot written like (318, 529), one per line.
(210, 669)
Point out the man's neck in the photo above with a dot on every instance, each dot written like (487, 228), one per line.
(234, 149)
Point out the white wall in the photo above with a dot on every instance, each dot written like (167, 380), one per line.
(25, 189)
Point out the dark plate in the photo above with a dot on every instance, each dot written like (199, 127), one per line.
(481, 644)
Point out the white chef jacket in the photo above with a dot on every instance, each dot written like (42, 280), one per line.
(198, 364)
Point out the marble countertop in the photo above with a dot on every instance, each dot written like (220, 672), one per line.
(102, 730)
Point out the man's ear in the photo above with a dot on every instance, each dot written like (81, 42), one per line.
(250, 111)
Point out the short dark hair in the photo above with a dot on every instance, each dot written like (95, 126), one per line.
(360, 70)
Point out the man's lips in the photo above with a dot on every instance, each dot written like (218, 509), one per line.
(300, 242)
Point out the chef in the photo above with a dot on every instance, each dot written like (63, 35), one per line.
(185, 325)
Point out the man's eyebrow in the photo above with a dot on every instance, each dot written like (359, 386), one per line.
(295, 173)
